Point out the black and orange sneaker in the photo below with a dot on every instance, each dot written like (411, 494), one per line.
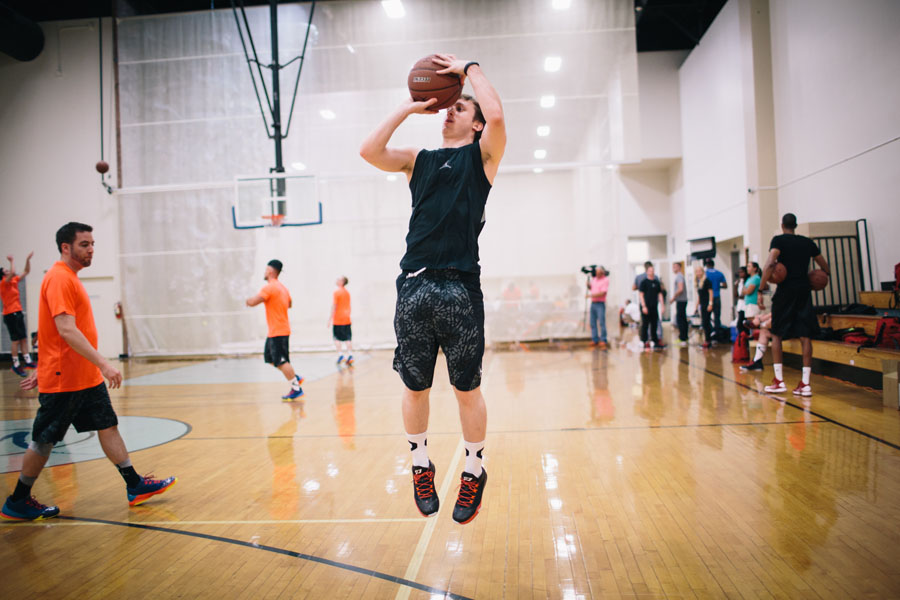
(469, 501)
(423, 490)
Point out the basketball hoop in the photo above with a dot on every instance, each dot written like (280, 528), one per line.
(273, 220)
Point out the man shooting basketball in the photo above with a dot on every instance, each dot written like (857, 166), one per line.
(792, 308)
(69, 378)
(12, 314)
(439, 299)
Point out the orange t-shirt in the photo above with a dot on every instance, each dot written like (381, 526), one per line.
(277, 299)
(60, 368)
(341, 306)
(9, 293)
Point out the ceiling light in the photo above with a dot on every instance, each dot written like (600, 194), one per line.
(326, 113)
(548, 101)
(538, 170)
(298, 166)
(540, 154)
(393, 8)
(552, 64)
(392, 178)
(351, 49)
(562, 4)
(543, 130)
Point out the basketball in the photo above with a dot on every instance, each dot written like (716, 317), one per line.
(818, 279)
(425, 83)
(779, 274)
(102, 166)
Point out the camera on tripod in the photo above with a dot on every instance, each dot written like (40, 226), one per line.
(590, 270)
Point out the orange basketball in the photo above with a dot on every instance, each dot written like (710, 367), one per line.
(818, 279)
(779, 274)
(425, 83)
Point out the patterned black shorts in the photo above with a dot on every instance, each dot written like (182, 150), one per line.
(342, 333)
(87, 410)
(439, 309)
(15, 324)
(276, 350)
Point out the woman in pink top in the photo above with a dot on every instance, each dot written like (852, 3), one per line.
(598, 285)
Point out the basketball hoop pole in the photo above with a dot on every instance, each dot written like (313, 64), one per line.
(276, 102)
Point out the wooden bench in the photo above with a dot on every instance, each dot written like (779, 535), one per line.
(876, 299)
(878, 360)
(867, 322)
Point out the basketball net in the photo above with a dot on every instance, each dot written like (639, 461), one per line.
(273, 220)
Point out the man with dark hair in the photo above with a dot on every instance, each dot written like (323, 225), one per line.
(13, 317)
(439, 300)
(340, 321)
(277, 300)
(70, 381)
(651, 297)
(680, 300)
(717, 280)
(642, 276)
(793, 315)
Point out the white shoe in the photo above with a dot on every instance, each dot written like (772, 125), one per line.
(776, 387)
(802, 389)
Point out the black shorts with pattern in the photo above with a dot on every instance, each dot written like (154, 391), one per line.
(439, 309)
(276, 350)
(15, 324)
(88, 410)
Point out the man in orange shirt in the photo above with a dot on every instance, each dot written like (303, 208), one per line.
(278, 300)
(12, 314)
(340, 319)
(70, 381)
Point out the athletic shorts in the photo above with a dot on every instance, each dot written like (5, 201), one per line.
(15, 324)
(87, 410)
(751, 310)
(276, 350)
(342, 333)
(439, 309)
(793, 315)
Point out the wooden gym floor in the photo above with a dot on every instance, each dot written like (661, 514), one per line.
(612, 474)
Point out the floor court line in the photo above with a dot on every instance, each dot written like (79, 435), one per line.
(261, 522)
(425, 538)
(406, 583)
(792, 405)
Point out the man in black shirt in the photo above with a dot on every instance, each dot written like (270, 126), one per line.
(792, 309)
(439, 299)
(651, 297)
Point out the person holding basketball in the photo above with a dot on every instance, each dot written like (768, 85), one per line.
(439, 298)
(70, 378)
(792, 308)
(12, 314)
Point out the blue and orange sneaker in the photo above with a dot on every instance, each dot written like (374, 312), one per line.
(293, 394)
(18, 370)
(340, 360)
(350, 361)
(28, 509)
(30, 365)
(148, 487)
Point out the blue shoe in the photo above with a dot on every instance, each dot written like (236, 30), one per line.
(293, 394)
(18, 370)
(30, 365)
(340, 359)
(148, 487)
(27, 510)
(350, 361)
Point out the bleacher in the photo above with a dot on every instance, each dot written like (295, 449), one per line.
(873, 367)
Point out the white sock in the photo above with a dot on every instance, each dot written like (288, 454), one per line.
(760, 352)
(779, 375)
(474, 451)
(295, 382)
(806, 373)
(27, 357)
(15, 360)
(418, 443)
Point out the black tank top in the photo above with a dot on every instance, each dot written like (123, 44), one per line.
(449, 193)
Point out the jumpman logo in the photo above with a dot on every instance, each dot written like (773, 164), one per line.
(446, 165)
